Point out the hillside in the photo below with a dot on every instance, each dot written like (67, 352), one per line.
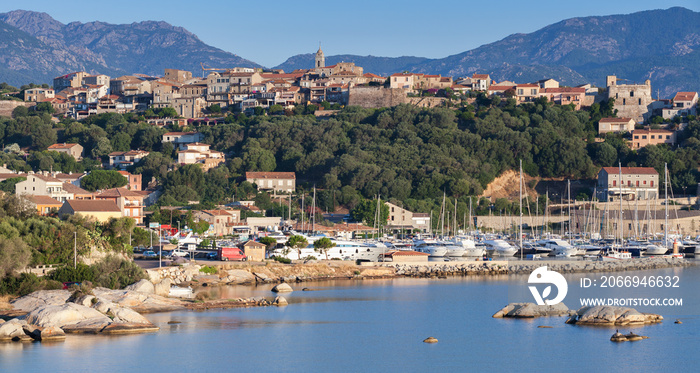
(143, 47)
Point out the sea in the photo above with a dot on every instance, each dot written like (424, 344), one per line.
(379, 326)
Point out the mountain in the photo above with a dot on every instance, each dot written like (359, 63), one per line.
(661, 45)
(384, 66)
(142, 47)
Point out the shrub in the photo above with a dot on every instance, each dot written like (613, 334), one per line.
(281, 259)
(209, 270)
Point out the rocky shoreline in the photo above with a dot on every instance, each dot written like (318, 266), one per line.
(489, 268)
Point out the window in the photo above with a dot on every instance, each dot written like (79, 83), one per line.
(636, 137)
(640, 101)
(652, 183)
(520, 92)
(624, 101)
(644, 137)
(668, 137)
(631, 93)
(645, 182)
(614, 182)
(637, 183)
(652, 137)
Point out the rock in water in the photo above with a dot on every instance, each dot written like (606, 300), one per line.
(52, 333)
(678, 322)
(280, 301)
(612, 315)
(530, 310)
(12, 329)
(545, 327)
(618, 337)
(282, 288)
(430, 340)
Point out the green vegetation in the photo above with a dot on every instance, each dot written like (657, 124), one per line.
(103, 179)
(210, 270)
(281, 259)
(323, 245)
(297, 243)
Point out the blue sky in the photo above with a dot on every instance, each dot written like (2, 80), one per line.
(268, 34)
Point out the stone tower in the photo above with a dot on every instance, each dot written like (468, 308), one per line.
(320, 59)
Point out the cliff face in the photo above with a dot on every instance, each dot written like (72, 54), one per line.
(36, 48)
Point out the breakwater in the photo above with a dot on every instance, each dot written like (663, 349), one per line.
(489, 268)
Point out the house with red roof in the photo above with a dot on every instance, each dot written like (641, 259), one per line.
(683, 104)
(628, 183)
(74, 150)
(276, 181)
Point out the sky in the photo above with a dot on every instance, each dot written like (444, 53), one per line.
(269, 34)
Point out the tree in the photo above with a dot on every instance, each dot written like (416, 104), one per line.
(14, 255)
(323, 245)
(366, 210)
(297, 243)
(269, 242)
(103, 179)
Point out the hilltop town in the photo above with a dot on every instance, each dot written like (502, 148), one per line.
(183, 110)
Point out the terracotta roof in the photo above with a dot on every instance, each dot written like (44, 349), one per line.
(118, 192)
(631, 170)
(270, 175)
(639, 132)
(219, 212)
(501, 87)
(685, 96)
(93, 205)
(5, 176)
(61, 175)
(43, 200)
(70, 188)
(178, 133)
(46, 178)
(480, 76)
(528, 85)
(614, 120)
(62, 146)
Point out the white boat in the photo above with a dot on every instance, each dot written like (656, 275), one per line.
(471, 249)
(614, 255)
(180, 292)
(433, 248)
(499, 248)
(559, 247)
(343, 250)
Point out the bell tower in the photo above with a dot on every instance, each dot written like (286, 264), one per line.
(320, 58)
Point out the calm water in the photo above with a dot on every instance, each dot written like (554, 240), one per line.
(378, 325)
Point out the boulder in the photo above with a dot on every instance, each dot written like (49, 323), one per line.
(531, 310)
(430, 340)
(126, 315)
(618, 337)
(163, 288)
(86, 300)
(65, 314)
(282, 288)
(41, 298)
(280, 301)
(103, 306)
(613, 315)
(261, 277)
(240, 276)
(52, 333)
(12, 329)
(143, 286)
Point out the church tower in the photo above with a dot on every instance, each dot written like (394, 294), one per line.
(320, 59)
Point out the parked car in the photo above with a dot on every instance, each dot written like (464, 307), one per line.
(150, 254)
(213, 256)
(67, 285)
(179, 253)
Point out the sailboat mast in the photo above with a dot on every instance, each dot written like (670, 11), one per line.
(313, 212)
(619, 167)
(666, 204)
(521, 209)
(568, 197)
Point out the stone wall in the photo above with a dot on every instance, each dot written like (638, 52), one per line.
(6, 106)
(376, 97)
